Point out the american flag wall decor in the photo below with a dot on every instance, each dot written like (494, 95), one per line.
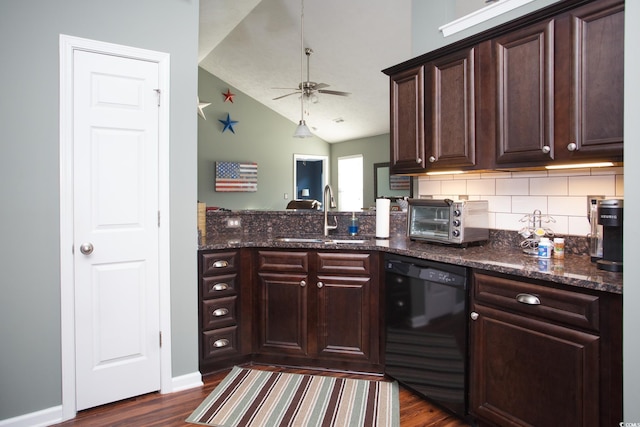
(235, 176)
(399, 182)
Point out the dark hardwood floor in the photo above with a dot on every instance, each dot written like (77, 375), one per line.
(172, 409)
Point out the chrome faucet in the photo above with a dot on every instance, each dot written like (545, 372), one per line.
(329, 202)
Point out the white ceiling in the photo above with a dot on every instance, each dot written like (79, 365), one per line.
(254, 46)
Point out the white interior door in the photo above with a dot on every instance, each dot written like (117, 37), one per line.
(115, 209)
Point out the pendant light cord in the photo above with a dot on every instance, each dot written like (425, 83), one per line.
(302, 61)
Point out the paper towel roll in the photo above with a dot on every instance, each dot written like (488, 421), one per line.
(383, 207)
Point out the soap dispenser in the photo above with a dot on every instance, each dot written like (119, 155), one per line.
(353, 225)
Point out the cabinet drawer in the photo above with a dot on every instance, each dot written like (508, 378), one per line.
(336, 262)
(219, 312)
(568, 307)
(219, 286)
(220, 342)
(219, 262)
(283, 261)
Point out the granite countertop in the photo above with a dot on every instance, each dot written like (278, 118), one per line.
(573, 270)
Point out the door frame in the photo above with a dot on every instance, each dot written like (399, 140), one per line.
(68, 44)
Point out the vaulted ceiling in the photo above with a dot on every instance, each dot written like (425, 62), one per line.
(255, 47)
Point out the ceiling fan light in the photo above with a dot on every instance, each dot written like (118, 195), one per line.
(302, 131)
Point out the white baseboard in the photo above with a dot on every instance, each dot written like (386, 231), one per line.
(187, 381)
(45, 417)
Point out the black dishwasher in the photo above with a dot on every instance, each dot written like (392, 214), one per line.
(426, 329)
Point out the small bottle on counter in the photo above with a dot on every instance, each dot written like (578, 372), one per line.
(544, 248)
(353, 225)
(558, 247)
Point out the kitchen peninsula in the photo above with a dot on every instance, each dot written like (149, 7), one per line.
(320, 303)
(501, 253)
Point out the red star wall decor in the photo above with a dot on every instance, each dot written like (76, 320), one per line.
(228, 96)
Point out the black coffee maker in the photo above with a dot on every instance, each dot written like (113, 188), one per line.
(610, 217)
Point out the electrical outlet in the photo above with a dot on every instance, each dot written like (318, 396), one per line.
(286, 196)
(233, 222)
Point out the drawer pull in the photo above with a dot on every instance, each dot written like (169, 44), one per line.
(320, 285)
(221, 343)
(220, 312)
(528, 299)
(220, 287)
(303, 283)
(220, 264)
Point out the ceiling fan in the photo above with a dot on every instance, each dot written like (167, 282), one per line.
(309, 88)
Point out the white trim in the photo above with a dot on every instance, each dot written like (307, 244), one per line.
(187, 381)
(481, 15)
(67, 46)
(44, 417)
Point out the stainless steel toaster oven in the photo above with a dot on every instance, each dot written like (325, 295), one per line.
(457, 222)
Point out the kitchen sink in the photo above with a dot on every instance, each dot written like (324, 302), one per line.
(346, 241)
(328, 240)
(299, 240)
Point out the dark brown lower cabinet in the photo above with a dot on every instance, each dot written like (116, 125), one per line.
(542, 355)
(224, 303)
(318, 309)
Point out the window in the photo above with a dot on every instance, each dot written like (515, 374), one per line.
(350, 185)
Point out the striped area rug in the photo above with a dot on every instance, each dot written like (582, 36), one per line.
(252, 398)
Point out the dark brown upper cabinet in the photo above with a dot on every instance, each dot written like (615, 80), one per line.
(543, 89)
(407, 121)
(450, 119)
(524, 93)
(590, 77)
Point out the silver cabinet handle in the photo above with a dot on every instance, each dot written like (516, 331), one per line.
(546, 149)
(418, 160)
(86, 248)
(572, 146)
(220, 264)
(220, 287)
(432, 159)
(303, 283)
(220, 312)
(474, 315)
(528, 299)
(221, 343)
(320, 285)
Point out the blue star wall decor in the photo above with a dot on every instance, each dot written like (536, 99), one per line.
(228, 124)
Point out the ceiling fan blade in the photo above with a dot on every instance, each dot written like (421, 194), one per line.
(284, 96)
(320, 86)
(335, 92)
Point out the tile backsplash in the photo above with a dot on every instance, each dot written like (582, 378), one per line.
(560, 194)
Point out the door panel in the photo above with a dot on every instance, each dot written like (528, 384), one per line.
(115, 228)
(283, 313)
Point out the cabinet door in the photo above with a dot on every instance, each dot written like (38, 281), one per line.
(528, 372)
(282, 312)
(450, 111)
(344, 318)
(407, 121)
(590, 41)
(524, 95)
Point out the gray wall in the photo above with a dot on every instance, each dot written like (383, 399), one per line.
(631, 313)
(428, 16)
(30, 372)
(261, 135)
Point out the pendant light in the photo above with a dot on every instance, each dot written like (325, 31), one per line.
(302, 131)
